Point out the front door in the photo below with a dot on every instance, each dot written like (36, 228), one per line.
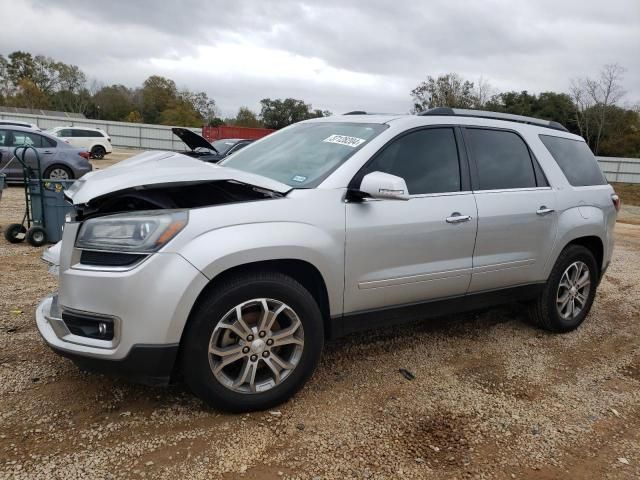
(402, 252)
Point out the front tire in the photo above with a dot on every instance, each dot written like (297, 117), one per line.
(253, 342)
(569, 292)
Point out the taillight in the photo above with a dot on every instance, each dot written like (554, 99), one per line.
(84, 155)
(615, 198)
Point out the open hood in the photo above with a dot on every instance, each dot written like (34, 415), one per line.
(192, 139)
(161, 168)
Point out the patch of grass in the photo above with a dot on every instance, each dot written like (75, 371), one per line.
(629, 192)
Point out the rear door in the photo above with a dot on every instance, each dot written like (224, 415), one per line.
(82, 138)
(517, 220)
(402, 252)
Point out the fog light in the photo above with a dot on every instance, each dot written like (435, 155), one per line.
(88, 325)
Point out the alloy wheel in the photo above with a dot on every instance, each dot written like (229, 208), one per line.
(58, 174)
(573, 290)
(256, 345)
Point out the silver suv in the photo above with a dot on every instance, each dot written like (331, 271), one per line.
(232, 276)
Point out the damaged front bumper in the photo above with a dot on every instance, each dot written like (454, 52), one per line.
(147, 364)
(142, 310)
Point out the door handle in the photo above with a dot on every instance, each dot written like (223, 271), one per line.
(457, 218)
(543, 210)
(47, 151)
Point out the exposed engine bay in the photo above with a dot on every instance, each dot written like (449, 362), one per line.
(173, 196)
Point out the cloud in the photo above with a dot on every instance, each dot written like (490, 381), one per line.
(335, 54)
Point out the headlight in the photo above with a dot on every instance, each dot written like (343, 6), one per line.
(139, 232)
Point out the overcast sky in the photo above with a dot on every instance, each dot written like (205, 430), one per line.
(338, 55)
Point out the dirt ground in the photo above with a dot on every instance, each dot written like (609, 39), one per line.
(492, 398)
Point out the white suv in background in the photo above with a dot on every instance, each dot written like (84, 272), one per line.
(95, 140)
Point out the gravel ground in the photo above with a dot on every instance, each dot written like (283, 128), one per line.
(492, 398)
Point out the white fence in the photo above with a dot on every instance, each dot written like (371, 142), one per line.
(624, 170)
(123, 134)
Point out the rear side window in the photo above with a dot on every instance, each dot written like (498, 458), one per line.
(20, 138)
(575, 160)
(427, 160)
(502, 158)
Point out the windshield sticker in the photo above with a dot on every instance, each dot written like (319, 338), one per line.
(299, 178)
(352, 142)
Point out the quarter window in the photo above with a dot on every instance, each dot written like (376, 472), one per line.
(575, 160)
(427, 160)
(502, 159)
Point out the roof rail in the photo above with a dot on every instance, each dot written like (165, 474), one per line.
(362, 112)
(462, 112)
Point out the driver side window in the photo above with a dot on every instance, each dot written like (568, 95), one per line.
(426, 159)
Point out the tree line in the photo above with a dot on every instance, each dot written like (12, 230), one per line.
(591, 108)
(39, 82)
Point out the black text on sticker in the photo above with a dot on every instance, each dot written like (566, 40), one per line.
(345, 140)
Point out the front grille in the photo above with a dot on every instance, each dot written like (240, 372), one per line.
(86, 325)
(109, 259)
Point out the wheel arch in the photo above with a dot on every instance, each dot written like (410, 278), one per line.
(594, 244)
(300, 270)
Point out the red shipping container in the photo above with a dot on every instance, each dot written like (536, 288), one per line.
(218, 133)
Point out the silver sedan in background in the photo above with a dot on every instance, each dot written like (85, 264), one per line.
(58, 160)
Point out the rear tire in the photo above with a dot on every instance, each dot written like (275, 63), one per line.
(58, 172)
(98, 152)
(15, 233)
(36, 236)
(267, 368)
(569, 292)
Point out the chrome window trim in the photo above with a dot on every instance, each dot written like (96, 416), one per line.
(522, 189)
(420, 195)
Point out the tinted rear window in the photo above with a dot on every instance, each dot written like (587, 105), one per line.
(575, 160)
(502, 158)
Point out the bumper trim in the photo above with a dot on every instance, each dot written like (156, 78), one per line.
(146, 364)
(52, 313)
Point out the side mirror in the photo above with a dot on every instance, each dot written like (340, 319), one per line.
(384, 186)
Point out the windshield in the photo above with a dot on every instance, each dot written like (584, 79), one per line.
(222, 146)
(303, 154)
